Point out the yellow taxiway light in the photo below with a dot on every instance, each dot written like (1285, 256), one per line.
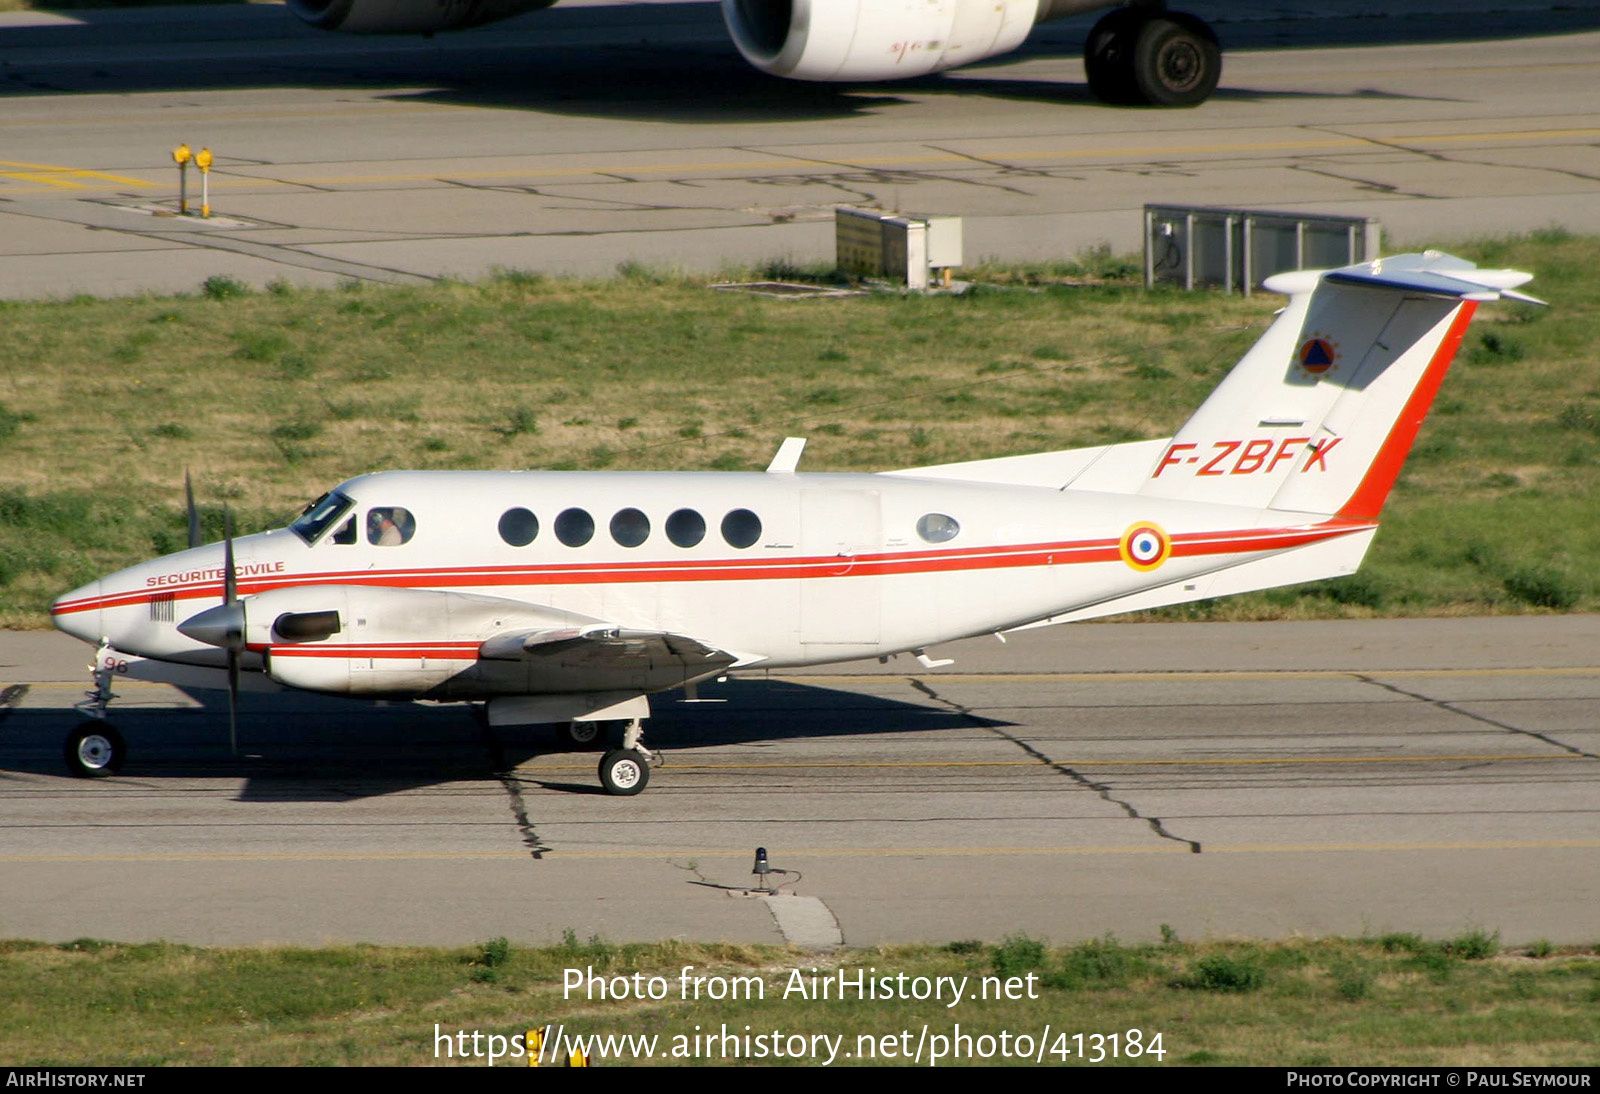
(202, 160)
(181, 156)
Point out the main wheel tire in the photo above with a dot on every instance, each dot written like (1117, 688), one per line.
(1108, 56)
(624, 772)
(95, 750)
(1176, 61)
(581, 736)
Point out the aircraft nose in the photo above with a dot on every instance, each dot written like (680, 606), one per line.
(78, 613)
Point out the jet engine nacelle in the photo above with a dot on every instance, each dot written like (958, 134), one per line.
(408, 16)
(881, 39)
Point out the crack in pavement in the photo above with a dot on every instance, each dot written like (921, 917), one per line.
(1444, 704)
(1454, 159)
(519, 811)
(11, 698)
(513, 787)
(857, 174)
(1102, 789)
(1387, 188)
(1006, 168)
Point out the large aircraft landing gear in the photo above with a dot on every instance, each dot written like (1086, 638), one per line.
(625, 771)
(1147, 56)
(95, 750)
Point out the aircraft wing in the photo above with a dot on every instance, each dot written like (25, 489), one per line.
(605, 647)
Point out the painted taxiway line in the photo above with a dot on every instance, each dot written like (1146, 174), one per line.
(1196, 761)
(1130, 677)
(943, 765)
(794, 853)
(1143, 675)
(56, 177)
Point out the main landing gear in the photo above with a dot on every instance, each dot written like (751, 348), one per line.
(1147, 56)
(625, 771)
(95, 749)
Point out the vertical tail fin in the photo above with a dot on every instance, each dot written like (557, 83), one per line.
(1319, 415)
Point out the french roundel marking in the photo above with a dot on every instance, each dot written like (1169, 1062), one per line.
(1145, 546)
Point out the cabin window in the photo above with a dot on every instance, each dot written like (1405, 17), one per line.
(390, 526)
(347, 534)
(938, 528)
(686, 528)
(630, 527)
(574, 527)
(518, 527)
(320, 515)
(741, 528)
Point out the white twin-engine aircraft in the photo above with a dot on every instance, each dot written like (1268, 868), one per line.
(567, 598)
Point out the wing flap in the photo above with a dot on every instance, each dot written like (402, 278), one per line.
(605, 645)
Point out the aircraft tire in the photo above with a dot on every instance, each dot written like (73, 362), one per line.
(624, 772)
(1108, 56)
(1176, 61)
(581, 736)
(95, 750)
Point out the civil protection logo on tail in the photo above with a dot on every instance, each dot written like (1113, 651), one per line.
(1145, 545)
(1318, 355)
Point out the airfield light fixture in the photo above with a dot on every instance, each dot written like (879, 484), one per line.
(181, 156)
(202, 160)
(761, 870)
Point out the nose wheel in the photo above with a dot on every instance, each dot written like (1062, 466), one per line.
(95, 750)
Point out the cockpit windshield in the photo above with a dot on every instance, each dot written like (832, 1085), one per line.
(319, 515)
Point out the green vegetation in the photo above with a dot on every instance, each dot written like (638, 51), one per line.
(1398, 1001)
(270, 397)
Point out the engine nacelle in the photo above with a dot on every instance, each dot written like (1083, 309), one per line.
(881, 39)
(408, 16)
(381, 642)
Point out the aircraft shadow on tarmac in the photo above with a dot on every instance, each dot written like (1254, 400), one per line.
(312, 749)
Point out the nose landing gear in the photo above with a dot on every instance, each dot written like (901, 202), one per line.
(95, 749)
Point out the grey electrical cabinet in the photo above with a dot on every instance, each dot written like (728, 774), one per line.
(1210, 245)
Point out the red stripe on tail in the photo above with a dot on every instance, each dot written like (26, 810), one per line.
(1369, 497)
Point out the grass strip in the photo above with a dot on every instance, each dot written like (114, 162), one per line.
(270, 397)
(1395, 1000)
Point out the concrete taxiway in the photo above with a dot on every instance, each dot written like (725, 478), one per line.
(1224, 779)
(598, 133)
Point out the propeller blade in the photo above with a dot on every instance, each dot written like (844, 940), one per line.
(194, 514)
(233, 699)
(230, 582)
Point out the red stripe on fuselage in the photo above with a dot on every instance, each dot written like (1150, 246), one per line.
(743, 569)
(411, 651)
